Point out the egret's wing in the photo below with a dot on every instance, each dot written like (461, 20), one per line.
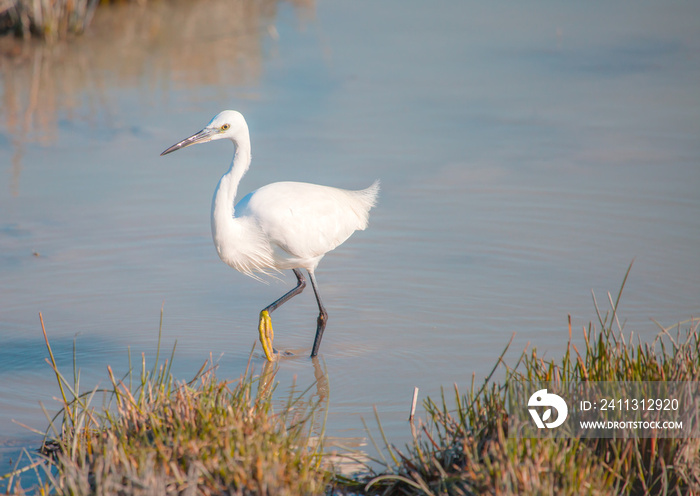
(306, 220)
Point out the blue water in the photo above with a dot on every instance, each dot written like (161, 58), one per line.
(528, 154)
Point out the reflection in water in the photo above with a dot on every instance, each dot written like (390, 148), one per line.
(266, 385)
(177, 44)
(321, 375)
(266, 381)
(345, 454)
(313, 401)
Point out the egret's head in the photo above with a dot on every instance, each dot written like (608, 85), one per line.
(227, 124)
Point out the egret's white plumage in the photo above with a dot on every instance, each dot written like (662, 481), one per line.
(290, 225)
(284, 225)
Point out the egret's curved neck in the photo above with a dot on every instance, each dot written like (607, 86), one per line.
(222, 211)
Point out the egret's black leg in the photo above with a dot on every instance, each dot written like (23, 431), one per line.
(301, 284)
(265, 325)
(322, 316)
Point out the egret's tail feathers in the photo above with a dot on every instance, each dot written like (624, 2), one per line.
(365, 199)
(371, 193)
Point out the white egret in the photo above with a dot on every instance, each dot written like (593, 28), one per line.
(284, 225)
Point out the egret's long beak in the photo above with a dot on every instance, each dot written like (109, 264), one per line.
(201, 137)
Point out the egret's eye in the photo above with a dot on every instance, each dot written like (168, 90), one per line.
(225, 127)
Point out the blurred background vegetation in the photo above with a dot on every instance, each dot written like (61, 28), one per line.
(47, 19)
(53, 20)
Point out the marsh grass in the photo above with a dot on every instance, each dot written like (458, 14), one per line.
(462, 447)
(155, 435)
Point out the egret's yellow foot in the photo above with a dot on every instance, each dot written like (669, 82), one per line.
(266, 334)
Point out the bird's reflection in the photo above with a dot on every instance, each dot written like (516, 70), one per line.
(321, 376)
(346, 454)
(313, 400)
(266, 380)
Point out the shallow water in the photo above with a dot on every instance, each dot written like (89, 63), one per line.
(527, 156)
